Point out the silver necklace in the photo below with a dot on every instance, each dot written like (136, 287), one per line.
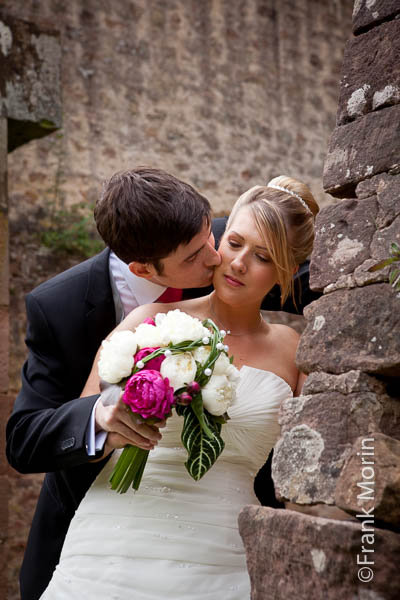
(228, 331)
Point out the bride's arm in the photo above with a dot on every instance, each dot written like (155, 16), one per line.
(300, 382)
(116, 419)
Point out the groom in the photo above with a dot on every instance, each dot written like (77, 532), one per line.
(159, 241)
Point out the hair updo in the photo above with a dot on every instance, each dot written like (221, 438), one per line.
(285, 222)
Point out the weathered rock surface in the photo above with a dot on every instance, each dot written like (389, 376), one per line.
(30, 86)
(318, 431)
(343, 236)
(361, 149)
(291, 555)
(353, 235)
(367, 13)
(371, 70)
(352, 329)
(370, 479)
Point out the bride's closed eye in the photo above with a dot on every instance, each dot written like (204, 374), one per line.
(264, 259)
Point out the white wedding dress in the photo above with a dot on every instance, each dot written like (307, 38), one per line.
(175, 538)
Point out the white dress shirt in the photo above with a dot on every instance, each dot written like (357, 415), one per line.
(129, 292)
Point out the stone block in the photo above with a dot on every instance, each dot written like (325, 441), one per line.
(367, 13)
(4, 348)
(30, 89)
(386, 187)
(4, 557)
(370, 479)
(291, 555)
(6, 404)
(352, 329)
(361, 149)
(343, 234)
(3, 166)
(319, 428)
(4, 261)
(370, 72)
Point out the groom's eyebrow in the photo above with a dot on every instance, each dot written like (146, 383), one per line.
(242, 238)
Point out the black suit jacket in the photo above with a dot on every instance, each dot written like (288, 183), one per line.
(68, 317)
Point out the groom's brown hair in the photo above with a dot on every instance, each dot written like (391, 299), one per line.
(144, 214)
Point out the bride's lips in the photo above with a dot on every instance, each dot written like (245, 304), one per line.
(232, 281)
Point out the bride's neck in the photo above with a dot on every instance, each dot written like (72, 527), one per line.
(239, 320)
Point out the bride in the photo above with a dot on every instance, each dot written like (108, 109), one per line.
(177, 538)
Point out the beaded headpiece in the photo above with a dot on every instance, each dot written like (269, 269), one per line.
(283, 189)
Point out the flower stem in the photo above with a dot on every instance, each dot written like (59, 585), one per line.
(129, 469)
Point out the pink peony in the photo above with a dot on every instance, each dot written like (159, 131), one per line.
(193, 388)
(148, 394)
(150, 321)
(154, 363)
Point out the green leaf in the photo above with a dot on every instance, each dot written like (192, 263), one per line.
(393, 275)
(394, 248)
(202, 450)
(198, 409)
(382, 264)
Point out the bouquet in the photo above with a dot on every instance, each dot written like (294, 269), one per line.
(171, 362)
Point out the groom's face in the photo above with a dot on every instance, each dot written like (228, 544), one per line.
(191, 265)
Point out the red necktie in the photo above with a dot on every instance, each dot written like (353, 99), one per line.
(170, 295)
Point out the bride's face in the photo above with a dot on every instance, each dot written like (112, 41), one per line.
(246, 272)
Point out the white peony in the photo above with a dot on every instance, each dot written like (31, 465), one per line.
(222, 365)
(117, 356)
(201, 353)
(179, 368)
(218, 395)
(148, 336)
(233, 374)
(177, 326)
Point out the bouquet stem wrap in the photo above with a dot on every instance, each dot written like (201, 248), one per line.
(129, 469)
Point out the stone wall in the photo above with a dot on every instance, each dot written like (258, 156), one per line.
(340, 440)
(222, 93)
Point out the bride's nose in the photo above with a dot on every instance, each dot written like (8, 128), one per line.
(239, 264)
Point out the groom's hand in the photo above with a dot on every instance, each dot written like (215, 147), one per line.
(124, 427)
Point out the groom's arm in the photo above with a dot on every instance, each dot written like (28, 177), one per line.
(47, 428)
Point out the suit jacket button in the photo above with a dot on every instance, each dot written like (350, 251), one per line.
(68, 443)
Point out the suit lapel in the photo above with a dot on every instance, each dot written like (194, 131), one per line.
(100, 315)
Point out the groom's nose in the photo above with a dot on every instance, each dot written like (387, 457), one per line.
(212, 258)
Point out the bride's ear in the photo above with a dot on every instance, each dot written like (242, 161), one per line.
(296, 269)
(139, 269)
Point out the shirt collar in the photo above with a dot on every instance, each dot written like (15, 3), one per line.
(143, 290)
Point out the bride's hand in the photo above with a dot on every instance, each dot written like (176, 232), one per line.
(124, 427)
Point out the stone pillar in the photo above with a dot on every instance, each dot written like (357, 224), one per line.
(4, 349)
(30, 107)
(340, 441)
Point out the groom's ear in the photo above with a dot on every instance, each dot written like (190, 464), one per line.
(139, 269)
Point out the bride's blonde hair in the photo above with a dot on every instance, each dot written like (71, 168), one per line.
(284, 218)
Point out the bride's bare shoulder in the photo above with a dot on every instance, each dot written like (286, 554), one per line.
(284, 333)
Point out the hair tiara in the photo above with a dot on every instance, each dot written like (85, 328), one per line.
(283, 189)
